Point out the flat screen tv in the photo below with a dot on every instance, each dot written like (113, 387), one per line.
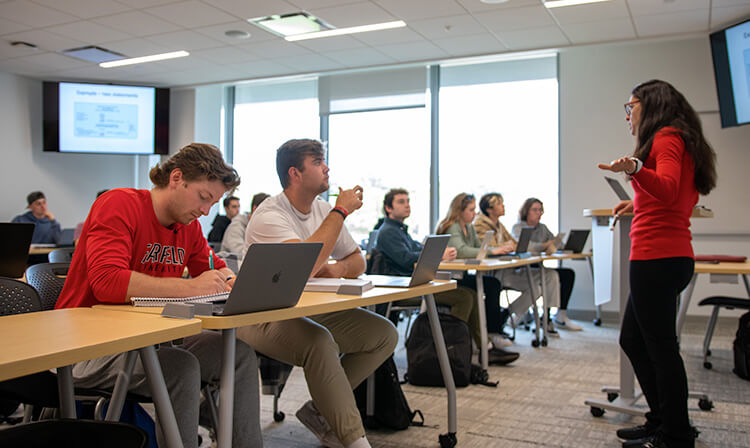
(731, 53)
(105, 118)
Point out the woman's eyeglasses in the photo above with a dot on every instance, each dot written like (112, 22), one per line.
(629, 107)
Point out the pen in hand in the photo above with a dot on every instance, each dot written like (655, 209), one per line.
(211, 259)
(614, 221)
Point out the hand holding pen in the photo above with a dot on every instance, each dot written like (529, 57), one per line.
(620, 208)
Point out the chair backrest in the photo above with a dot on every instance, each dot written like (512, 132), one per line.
(62, 255)
(377, 264)
(48, 279)
(17, 297)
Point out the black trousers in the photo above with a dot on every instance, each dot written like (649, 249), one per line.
(567, 278)
(496, 316)
(649, 339)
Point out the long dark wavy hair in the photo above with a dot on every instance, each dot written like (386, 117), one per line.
(662, 105)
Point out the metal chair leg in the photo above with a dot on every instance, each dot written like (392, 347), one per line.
(709, 335)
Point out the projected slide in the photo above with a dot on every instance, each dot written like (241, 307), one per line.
(106, 119)
(738, 49)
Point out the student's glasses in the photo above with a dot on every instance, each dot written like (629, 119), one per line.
(629, 107)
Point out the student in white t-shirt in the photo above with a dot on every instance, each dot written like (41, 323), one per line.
(336, 350)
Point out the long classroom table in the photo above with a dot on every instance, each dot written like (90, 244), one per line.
(45, 340)
(310, 304)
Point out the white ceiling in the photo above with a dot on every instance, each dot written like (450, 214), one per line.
(436, 30)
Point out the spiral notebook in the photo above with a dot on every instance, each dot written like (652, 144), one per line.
(161, 301)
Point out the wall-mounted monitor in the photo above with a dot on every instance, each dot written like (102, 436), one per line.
(731, 53)
(105, 118)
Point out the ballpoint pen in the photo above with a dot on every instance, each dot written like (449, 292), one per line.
(211, 259)
(614, 221)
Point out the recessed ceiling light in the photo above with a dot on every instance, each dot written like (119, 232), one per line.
(349, 30)
(291, 24)
(560, 3)
(237, 34)
(92, 53)
(143, 59)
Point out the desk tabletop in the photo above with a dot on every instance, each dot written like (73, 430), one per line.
(488, 264)
(589, 212)
(723, 268)
(563, 256)
(310, 304)
(34, 342)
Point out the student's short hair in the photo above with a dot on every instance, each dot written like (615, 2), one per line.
(293, 153)
(388, 199)
(197, 161)
(34, 196)
(258, 198)
(488, 201)
(228, 200)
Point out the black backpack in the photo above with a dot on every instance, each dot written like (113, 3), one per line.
(391, 409)
(742, 348)
(424, 368)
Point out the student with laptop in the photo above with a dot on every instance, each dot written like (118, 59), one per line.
(138, 243)
(336, 350)
(401, 252)
(46, 228)
(530, 215)
(458, 223)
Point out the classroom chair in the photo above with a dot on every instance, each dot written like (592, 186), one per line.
(69, 433)
(48, 279)
(718, 302)
(62, 255)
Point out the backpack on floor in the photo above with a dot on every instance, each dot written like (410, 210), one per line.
(391, 409)
(742, 348)
(424, 368)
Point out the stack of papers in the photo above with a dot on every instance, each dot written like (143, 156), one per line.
(353, 286)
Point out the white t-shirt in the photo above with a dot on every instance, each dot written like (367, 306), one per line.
(276, 220)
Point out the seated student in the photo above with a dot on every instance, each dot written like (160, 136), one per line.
(234, 236)
(79, 226)
(542, 240)
(401, 252)
(137, 243)
(220, 224)
(337, 350)
(46, 228)
(458, 223)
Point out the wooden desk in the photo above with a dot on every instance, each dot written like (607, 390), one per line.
(59, 338)
(40, 250)
(310, 304)
(725, 268)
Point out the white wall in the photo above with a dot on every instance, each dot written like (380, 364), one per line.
(595, 81)
(70, 181)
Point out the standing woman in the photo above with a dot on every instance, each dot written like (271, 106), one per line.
(671, 165)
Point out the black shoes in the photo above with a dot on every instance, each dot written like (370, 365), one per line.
(637, 432)
(657, 439)
(654, 441)
(498, 356)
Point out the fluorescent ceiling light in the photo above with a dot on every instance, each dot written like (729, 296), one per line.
(350, 30)
(142, 59)
(560, 3)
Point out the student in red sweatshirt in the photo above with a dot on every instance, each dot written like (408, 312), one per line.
(671, 165)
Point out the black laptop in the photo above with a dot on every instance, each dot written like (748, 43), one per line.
(522, 248)
(15, 239)
(576, 242)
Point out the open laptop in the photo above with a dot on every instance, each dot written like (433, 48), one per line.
(522, 248)
(424, 271)
(575, 243)
(15, 239)
(618, 188)
(272, 276)
(66, 238)
(482, 254)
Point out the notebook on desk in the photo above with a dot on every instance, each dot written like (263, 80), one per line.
(576, 242)
(272, 276)
(424, 271)
(522, 248)
(15, 240)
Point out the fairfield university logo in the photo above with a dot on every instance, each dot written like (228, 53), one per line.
(164, 255)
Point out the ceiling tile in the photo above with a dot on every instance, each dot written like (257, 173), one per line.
(258, 69)
(136, 47)
(515, 18)
(646, 7)
(447, 27)
(89, 32)
(184, 40)
(54, 61)
(191, 14)
(470, 45)
(46, 40)
(545, 37)
(331, 44)
(244, 9)
(589, 13)
(191, 62)
(225, 55)
(725, 3)
(413, 51)
(273, 49)
(144, 3)
(13, 51)
(310, 63)
(721, 17)
(676, 22)
(386, 37)
(217, 32)
(312, 4)
(137, 23)
(7, 27)
(353, 15)
(32, 14)
(361, 57)
(600, 31)
(478, 6)
(86, 9)
(421, 9)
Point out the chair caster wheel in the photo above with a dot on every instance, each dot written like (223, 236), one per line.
(612, 396)
(708, 353)
(598, 322)
(448, 440)
(597, 412)
(705, 404)
(534, 343)
(278, 416)
(707, 365)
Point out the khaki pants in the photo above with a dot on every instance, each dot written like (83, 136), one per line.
(337, 352)
(518, 279)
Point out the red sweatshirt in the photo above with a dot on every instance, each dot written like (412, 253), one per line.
(122, 235)
(665, 195)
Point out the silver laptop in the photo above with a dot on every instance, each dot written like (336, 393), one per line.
(424, 271)
(618, 189)
(272, 276)
(15, 239)
(576, 242)
(522, 248)
(482, 254)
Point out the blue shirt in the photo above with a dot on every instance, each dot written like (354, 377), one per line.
(398, 248)
(45, 231)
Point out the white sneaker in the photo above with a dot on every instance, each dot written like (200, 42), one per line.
(565, 323)
(498, 341)
(309, 416)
